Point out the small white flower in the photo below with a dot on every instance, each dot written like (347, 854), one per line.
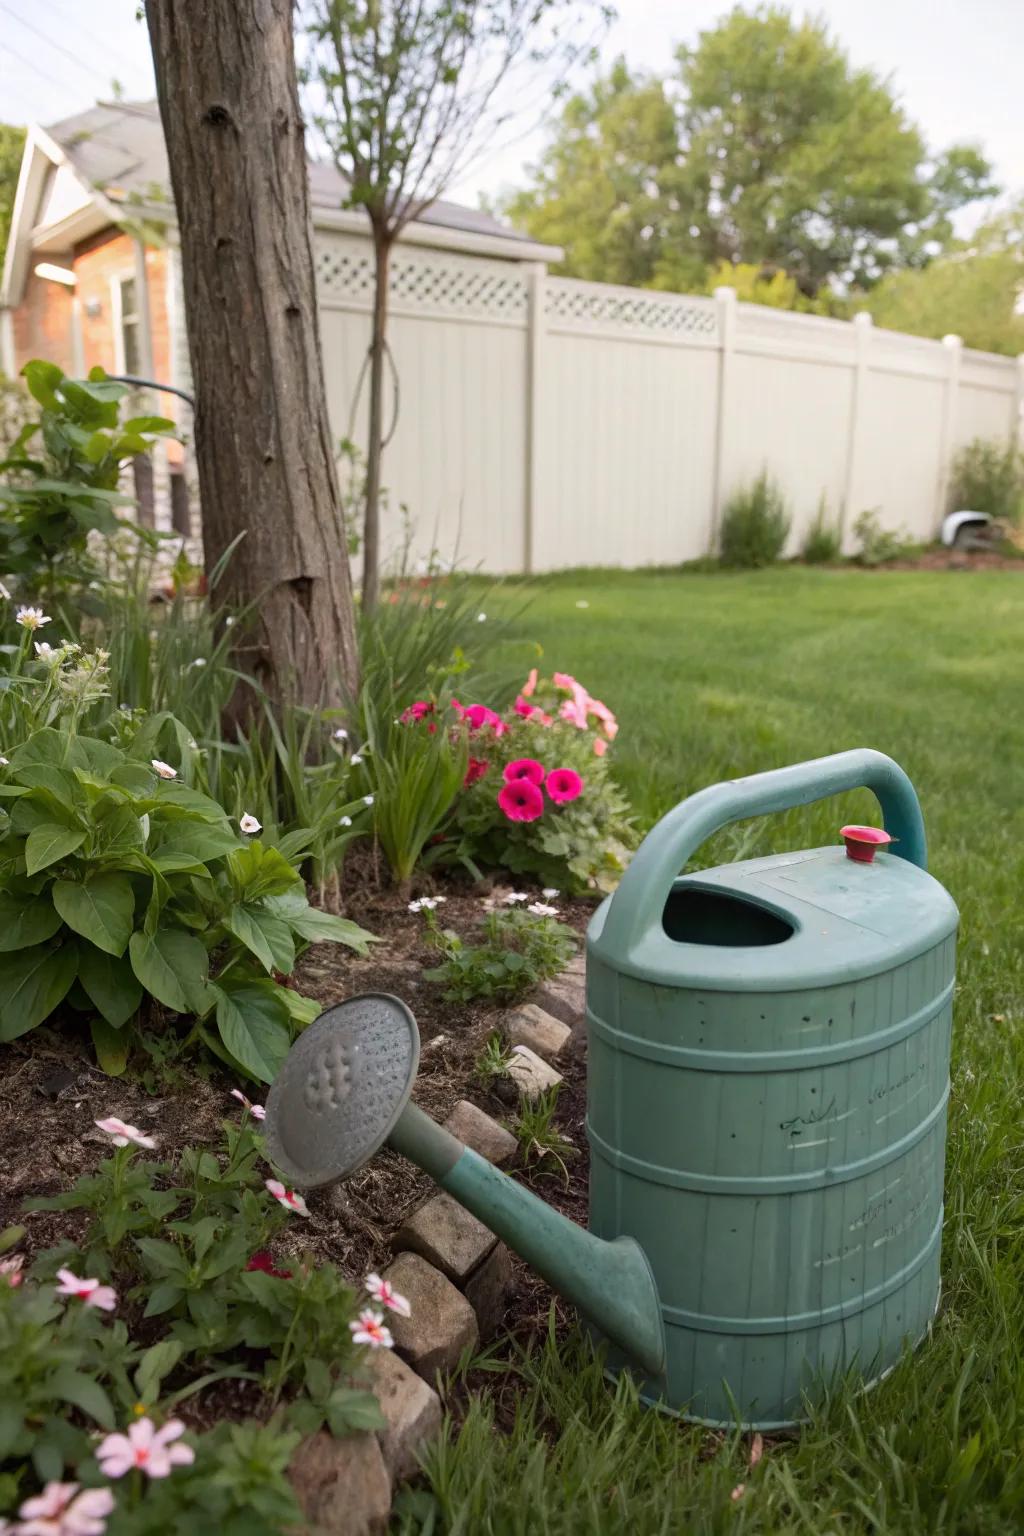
(369, 1329)
(541, 909)
(3, 762)
(248, 824)
(341, 734)
(481, 618)
(549, 893)
(415, 906)
(44, 650)
(582, 603)
(200, 661)
(121, 1133)
(426, 903)
(346, 821)
(125, 709)
(514, 896)
(164, 769)
(228, 622)
(356, 760)
(32, 618)
(367, 799)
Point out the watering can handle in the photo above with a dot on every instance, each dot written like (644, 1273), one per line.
(639, 901)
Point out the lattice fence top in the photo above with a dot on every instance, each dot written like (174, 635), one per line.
(589, 306)
(433, 282)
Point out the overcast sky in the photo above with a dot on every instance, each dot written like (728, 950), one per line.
(955, 64)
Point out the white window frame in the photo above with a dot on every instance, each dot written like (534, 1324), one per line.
(117, 282)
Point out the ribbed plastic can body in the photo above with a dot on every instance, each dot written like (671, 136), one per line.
(770, 1126)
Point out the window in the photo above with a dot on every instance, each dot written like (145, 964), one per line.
(129, 322)
(142, 471)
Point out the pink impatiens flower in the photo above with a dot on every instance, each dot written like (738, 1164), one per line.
(144, 1446)
(369, 1329)
(600, 746)
(121, 1133)
(521, 801)
(383, 1291)
(289, 1198)
(60, 1510)
(92, 1292)
(256, 1110)
(564, 785)
(524, 768)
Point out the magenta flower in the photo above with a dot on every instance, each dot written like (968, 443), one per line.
(144, 1446)
(524, 768)
(369, 1329)
(121, 1133)
(564, 785)
(417, 711)
(60, 1510)
(90, 1291)
(475, 769)
(289, 1198)
(477, 716)
(256, 1110)
(383, 1291)
(522, 801)
(263, 1261)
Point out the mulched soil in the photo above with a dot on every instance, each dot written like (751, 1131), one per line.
(948, 560)
(50, 1096)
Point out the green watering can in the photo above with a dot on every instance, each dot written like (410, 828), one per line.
(768, 1077)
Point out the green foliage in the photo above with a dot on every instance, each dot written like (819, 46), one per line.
(183, 1243)
(493, 1060)
(59, 489)
(520, 948)
(755, 525)
(988, 477)
(767, 148)
(878, 544)
(822, 542)
(124, 883)
(414, 773)
(541, 1143)
(12, 144)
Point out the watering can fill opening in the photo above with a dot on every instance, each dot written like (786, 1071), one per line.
(767, 1083)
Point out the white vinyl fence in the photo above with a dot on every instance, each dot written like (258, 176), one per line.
(542, 422)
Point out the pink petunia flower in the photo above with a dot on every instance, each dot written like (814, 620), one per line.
(417, 711)
(92, 1292)
(369, 1329)
(256, 1110)
(531, 712)
(121, 1133)
(603, 713)
(289, 1198)
(529, 688)
(600, 746)
(60, 1510)
(477, 716)
(145, 1447)
(521, 801)
(563, 681)
(10, 1270)
(475, 770)
(383, 1291)
(524, 768)
(564, 785)
(575, 709)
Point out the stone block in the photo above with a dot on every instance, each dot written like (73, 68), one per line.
(445, 1234)
(531, 1073)
(487, 1290)
(343, 1486)
(533, 1026)
(479, 1131)
(442, 1323)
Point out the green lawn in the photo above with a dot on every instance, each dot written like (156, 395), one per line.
(714, 676)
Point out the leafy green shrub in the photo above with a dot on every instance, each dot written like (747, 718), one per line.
(878, 544)
(822, 542)
(182, 1243)
(988, 477)
(755, 525)
(52, 497)
(523, 945)
(122, 886)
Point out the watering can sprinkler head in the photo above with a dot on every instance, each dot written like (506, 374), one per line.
(343, 1092)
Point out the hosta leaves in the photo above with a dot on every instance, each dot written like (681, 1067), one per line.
(48, 843)
(26, 920)
(171, 965)
(32, 983)
(253, 1025)
(100, 908)
(111, 985)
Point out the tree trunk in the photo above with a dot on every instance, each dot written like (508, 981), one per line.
(226, 82)
(375, 446)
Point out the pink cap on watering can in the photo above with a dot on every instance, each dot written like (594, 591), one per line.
(862, 843)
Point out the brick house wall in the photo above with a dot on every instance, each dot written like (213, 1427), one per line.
(42, 323)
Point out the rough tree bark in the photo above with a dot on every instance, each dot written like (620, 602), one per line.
(228, 96)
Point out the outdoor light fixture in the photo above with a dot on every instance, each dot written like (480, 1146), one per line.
(54, 274)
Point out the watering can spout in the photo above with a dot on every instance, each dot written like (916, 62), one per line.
(343, 1092)
(610, 1282)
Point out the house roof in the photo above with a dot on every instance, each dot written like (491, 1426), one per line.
(118, 147)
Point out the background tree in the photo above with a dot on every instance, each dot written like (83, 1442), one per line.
(781, 155)
(12, 143)
(405, 98)
(229, 104)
